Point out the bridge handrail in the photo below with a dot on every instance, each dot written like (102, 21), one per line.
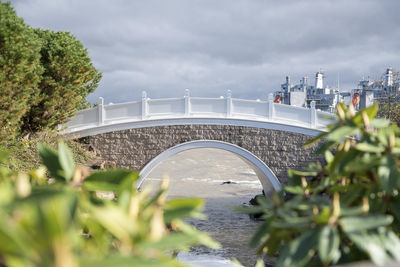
(225, 107)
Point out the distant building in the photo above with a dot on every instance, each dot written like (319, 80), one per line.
(302, 94)
(326, 99)
(378, 90)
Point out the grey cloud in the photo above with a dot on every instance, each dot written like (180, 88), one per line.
(210, 46)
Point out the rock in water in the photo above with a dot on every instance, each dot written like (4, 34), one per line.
(228, 182)
(254, 202)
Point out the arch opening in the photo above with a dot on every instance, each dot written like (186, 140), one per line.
(267, 178)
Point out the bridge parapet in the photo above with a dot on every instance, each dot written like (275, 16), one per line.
(198, 107)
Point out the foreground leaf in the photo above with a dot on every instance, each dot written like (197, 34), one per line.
(50, 160)
(299, 251)
(111, 180)
(66, 161)
(328, 243)
(388, 174)
(359, 223)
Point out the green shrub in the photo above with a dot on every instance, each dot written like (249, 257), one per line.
(20, 70)
(64, 220)
(345, 211)
(24, 154)
(45, 76)
(68, 78)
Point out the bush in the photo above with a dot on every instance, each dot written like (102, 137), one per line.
(24, 154)
(45, 76)
(20, 70)
(68, 78)
(345, 211)
(64, 221)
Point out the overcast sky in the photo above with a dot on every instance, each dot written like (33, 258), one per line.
(210, 46)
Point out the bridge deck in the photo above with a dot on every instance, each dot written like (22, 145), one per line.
(196, 110)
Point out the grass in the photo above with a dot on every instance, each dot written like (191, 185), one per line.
(23, 154)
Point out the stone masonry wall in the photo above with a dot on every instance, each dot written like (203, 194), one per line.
(134, 148)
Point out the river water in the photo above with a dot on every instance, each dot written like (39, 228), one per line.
(202, 173)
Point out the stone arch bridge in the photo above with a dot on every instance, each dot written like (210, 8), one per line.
(140, 135)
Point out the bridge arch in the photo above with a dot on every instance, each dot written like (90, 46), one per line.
(268, 179)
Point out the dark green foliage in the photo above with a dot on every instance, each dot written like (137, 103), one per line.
(390, 109)
(389, 106)
(20, 70)
(68, 78)
(345, 211)
(64, 221)
(45, 76)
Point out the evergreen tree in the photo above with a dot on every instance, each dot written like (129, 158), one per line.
(68, 78)
(20, 70)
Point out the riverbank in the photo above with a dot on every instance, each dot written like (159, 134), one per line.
(24, 156)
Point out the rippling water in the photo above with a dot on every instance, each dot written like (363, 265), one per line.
(201, 173)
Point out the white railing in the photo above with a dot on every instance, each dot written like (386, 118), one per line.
(196, 107)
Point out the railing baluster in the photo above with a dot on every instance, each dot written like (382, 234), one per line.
(187, 102)
(100, 111)
(313, 115)
(144, 105)
(228, 103)
(270, 106)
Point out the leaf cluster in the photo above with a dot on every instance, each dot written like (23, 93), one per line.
(70, 218)
(347, 210)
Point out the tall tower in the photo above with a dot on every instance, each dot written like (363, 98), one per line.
(304, 83)
(319, 80)
(389, 77)
(287, 87)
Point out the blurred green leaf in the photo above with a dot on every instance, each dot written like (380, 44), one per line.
(51, 161)
(10, 242)
(351, 211)
(174, 241)
(328, 243)
(260, 263)
(328, 156)
(341, 132)
(367, 147)
(395, 208)
(182, 208)
(388, 174)
(327, 145)
(66, 161)
(202, 238)
(111, 180)
(359, 223)
(295, 222)
(259, 235)
(371, 244)
(115, 221)
(359, 164)
(300, 250)
(298, 190)
(391, 243)
(133, 261)
(370, 111)
(274, 243)
(379, 123)
(315, 140)
(248, 209)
